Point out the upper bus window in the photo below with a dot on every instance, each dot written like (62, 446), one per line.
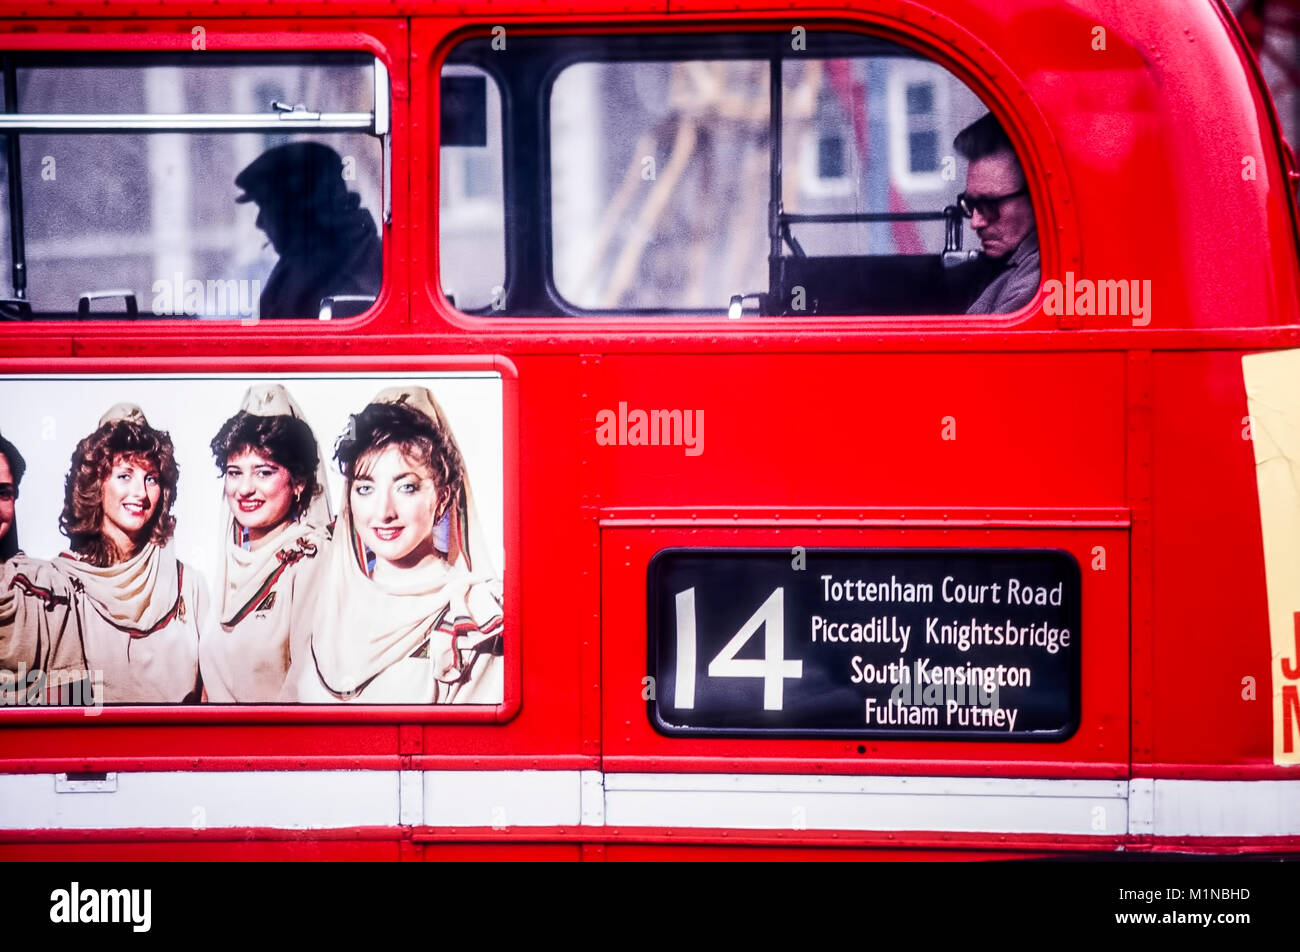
(659, 175)
(756, 174)
(207, 186)
(471, 220)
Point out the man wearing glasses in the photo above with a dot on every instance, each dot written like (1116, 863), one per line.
(996, 201)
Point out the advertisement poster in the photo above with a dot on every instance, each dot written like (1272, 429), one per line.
(252, 539)
(1273, 396)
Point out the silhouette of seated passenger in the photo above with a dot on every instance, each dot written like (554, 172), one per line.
(327, 243)
(996, 201)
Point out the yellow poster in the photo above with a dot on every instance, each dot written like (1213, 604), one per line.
(1273, 397)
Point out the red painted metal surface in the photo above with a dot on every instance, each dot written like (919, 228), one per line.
(614, 844)
(1072, 433)
(1208, 579)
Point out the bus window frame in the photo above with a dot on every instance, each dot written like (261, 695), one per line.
(941, 42)
(384, 40)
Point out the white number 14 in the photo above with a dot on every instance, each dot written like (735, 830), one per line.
(772, 667)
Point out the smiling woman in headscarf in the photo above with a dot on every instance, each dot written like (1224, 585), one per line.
(411, 612)
(276, 533)
(140, 608)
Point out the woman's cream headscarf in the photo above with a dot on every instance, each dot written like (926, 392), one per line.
(365, 628)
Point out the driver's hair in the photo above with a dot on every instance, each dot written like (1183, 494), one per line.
(982, 138)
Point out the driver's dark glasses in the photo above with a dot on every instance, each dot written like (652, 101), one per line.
(989, 206)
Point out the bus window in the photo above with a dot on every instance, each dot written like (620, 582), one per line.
(682, 156)
(833, 112)
(741, 174)
(217, 187)
(471, 220)
(659, 176)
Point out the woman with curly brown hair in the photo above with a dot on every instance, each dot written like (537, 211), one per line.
(411, 612)
(277, 530)
(141, 608)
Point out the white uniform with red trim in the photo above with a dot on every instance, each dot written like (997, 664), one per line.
(40, 630)
(140, 620)
(269, 598)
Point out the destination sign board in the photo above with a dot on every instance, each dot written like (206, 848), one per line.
(971, 644)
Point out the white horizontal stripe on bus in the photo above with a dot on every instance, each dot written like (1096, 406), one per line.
(289, 800)
(1226, 808)
(302, 800)
(504, 799)
(946, 804)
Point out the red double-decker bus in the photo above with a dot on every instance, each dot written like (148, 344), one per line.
(646, 430)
